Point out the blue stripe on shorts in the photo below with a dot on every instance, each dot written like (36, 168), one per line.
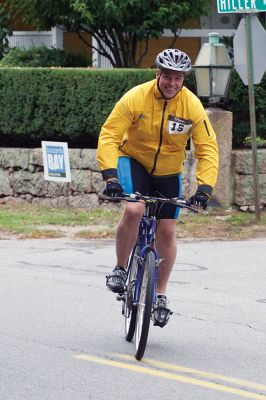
(124, 174)
(179, 177)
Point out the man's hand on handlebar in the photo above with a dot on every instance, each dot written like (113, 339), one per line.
(113, 189)
(199, 199)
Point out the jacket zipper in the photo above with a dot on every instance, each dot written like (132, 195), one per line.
(161, 139)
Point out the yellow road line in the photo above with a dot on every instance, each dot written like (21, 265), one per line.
(170, 376)
(180, 368)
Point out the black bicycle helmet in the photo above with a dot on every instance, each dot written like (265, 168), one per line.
(173, 59)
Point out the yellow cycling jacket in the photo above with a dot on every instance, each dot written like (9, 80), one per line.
(154, 131)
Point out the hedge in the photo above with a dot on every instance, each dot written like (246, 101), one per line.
(71, 104)
(60, 104)
(43, 57)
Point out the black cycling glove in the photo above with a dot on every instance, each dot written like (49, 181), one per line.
(200, 199)
(113, 189)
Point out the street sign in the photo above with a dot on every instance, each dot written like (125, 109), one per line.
(258, 40)
(56, 161)
(242, 6)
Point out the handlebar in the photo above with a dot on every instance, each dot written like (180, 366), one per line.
(151, 199)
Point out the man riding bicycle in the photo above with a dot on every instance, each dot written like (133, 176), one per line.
(142, 149)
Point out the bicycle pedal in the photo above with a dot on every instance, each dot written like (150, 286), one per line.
(160, 316)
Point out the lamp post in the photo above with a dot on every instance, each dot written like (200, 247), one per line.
(213, 70)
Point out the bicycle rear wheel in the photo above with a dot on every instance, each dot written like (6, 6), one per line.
(130, 309)
(145, 304)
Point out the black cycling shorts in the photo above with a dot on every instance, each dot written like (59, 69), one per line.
(133, 177)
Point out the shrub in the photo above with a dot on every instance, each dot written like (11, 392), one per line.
(60, 104)
(43, 57)
(238, 103)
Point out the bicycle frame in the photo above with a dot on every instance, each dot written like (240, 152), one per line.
(146, 242)
(146, 235)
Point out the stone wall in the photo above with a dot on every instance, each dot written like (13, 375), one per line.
(242, 177)
(222, 121)
(22, 180)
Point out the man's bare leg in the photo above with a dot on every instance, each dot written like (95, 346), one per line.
(127, 231)
(166, 246)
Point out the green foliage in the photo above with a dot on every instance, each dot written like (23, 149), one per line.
(4, 30)
(259, 140)
(238, 103)
(119, 24)
(42, 14)
(60, 104)
(43, 57)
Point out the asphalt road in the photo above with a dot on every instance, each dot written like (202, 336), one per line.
(61, 331)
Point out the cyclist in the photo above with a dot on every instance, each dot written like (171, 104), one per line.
(142, 148)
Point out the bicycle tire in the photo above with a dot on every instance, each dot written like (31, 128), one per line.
(144, 306)
(130, 309)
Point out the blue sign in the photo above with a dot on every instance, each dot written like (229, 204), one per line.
(55, 161)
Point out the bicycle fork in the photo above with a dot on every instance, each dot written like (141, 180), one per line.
(141, 266)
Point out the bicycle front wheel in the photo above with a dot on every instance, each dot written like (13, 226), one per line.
(130, 309)
(144, 306)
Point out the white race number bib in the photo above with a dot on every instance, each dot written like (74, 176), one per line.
(178, 125)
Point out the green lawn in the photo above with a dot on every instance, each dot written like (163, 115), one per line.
(31, 221)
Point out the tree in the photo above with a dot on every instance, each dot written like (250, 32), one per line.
(118, 26)
(4, 30)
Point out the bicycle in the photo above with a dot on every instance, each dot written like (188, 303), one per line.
(139, 297)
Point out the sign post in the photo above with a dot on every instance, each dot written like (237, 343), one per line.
(252, 117)
(250, 33)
